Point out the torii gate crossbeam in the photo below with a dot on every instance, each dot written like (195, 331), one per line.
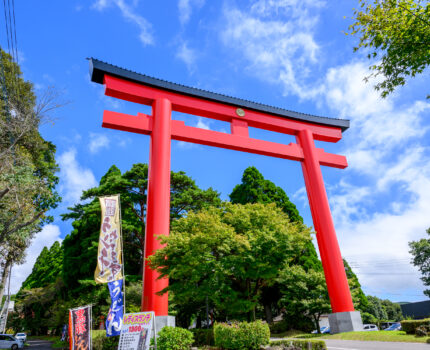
(166, 97)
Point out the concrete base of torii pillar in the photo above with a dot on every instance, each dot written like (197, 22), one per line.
(345, 322)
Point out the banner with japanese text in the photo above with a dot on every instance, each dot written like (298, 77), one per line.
(109, 258)
(136, 331)
(116, 312)
(80, 328)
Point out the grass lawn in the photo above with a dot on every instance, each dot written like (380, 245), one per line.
(393, 336)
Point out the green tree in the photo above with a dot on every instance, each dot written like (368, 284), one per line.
(420, 251)
(47, 268)
(81, 244)
(303, 293)
(254, 188)
(358, 297)
(227, 255)
(27, 165)
(396, 35)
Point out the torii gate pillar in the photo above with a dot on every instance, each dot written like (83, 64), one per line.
(165, 97)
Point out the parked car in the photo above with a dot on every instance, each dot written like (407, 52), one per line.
(21, 336)
(394, 327)
(370, 327)
(322, 329)
(8, 341)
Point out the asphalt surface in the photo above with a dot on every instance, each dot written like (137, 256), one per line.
(335, 344)
(39, 344)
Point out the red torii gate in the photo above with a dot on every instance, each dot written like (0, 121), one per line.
(165, 97)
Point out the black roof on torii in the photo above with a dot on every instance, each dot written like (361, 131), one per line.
(99, 68)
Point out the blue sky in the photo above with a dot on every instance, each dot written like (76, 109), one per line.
(286, 53)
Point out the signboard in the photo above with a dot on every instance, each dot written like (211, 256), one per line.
(136, 331)
(109, 258)
(80, 328)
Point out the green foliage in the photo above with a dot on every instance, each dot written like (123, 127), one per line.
(279, 327)
(420, 250)
(422, 331)
(303, 292)
(203, 336)
(382, 310)
(301, 344)
(227, 254)
(101, 342)
(256, 189)
(358, 297)
(396, 35)
(47, 268)
(241, 335)
(27, 166)
(409, 326)
(81, 244)
(174, 338)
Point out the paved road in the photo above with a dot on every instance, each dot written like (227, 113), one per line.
(335, 344)
(39, 344)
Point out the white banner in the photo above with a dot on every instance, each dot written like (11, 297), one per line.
(136, 331)
(109, 259)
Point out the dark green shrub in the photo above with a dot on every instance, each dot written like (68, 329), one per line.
(174, 338)
(241, 335)
(101, 342)
(422, 331)
(409, 326)
(279, 327)
(301, 344)
(203, 336)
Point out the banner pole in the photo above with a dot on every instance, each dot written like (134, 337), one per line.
(122, 253)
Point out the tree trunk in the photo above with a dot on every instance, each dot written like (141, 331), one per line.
(3, 278)
(268, 312)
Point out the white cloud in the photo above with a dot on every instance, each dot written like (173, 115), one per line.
(385, 144)
(278, 49)
(185, 8)
(129, 13)
(203, 123)
(49, 234)
(382, 201)
(98, 142)
(187, 55)
(73, 177)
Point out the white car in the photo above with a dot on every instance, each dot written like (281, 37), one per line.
(370, 327)
(21, 336)
(8, 341)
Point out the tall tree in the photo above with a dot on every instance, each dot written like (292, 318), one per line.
(81, 244)
(254, 188)
(227, 255)
(27, 165)
(396, 35)
(420, 251)
(47, 268)
(303, 293)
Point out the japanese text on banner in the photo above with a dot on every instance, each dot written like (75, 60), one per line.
(109, 258)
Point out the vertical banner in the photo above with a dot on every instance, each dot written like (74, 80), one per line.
(80, 328)
(114, 319)
(109, 258)
(136, 331)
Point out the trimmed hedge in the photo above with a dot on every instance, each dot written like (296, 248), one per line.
(301, 344)
(409, 326)
(203, 336)
(241, 335)
(174, 338)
